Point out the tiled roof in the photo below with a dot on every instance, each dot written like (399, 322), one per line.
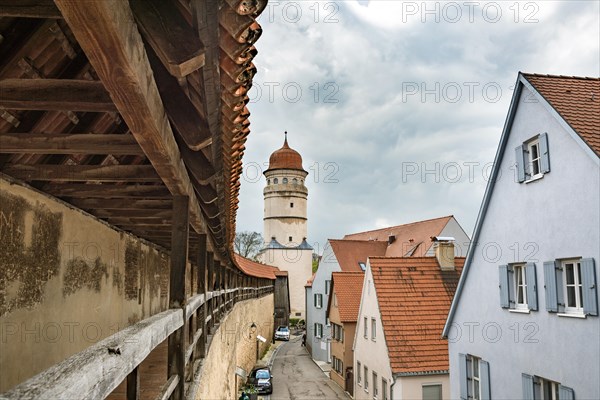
(414, 297)
(350, 252)
(256, 269)
(408, 236)
(347, 287)
(576, 99)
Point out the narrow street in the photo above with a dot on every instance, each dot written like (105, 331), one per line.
(296, 376)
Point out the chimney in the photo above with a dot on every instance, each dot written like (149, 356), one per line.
(444, 252)
(391, 239)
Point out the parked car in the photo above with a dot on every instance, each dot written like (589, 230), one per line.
(282, 333)
(262, 380)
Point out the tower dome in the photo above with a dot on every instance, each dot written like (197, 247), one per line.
(285, 158)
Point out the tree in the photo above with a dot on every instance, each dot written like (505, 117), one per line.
(248, 244)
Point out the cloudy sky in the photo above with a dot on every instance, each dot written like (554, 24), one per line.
(397, 106)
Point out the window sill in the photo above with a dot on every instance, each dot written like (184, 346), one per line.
(535, 178)
(515, 310)
(580, 316)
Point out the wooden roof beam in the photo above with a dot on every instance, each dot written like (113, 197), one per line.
(55, 94)
(29, 9)
(107, 191)
(85, 143)
(107, 33)
(70, 173)
(171, 37)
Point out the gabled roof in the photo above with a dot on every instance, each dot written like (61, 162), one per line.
(414, 296)
(256, 269)
(350, 252)
(553, 90)
(577, 101)
(410, 239)
(347, 287)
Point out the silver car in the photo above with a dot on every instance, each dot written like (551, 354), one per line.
(282, 333)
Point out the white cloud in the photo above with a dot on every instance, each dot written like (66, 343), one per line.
(369, 59)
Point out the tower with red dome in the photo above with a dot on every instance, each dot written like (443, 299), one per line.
(285, 222)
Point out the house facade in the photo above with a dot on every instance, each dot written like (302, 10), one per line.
(342, 311)
(398, 349)
(524, 322)
(351, 253)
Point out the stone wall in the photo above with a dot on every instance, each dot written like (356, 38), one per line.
(67, 280)
(234, 345)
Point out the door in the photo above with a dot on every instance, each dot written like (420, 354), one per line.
(349, 381)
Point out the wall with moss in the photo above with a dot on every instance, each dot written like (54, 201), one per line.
(67, 280)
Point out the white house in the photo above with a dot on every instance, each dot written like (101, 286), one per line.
(399, 352)
(351, 253)
(524, 322)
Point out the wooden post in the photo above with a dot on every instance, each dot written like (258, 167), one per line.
(177, 295)
(217, 305)
(211, 284)
(202, 288)
(133, 385)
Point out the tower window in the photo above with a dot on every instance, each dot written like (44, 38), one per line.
(285, 181)
(275, 181)
(290, 238)
(268, 181)
(291, 205)
(295, 181)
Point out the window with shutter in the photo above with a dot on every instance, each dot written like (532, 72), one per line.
(528, 388)
(504, 285)
(551, 286)
(474, 376)
(520, 163)
(531, 289)
(463, 376)
(544, 153)
(532, 159)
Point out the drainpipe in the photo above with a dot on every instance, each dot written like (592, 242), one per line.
(392, 387)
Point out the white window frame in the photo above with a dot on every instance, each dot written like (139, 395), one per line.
(375, 391)
(553, 395)
(327, 286)
(318, 300)
(373, 329)
(520, 283)
(366, 370)
(366, 328)
(384, 385)
(577, 285)
(358, 372)
(318, 330)
(473, 379)
(531, 161)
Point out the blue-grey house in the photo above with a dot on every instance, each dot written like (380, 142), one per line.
(524, 321)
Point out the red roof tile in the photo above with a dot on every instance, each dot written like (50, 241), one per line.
(350, 252)
(414, 297)
(256, 269)
(411, 239)
(347, 287)
(576, 99)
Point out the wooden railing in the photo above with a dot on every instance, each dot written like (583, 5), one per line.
(96, 371)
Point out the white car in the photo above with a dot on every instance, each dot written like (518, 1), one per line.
(282, 333)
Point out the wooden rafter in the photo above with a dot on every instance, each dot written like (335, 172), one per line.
(169, 34)
(108, 34)
(85, 143)
(70, 173)
(54, 94)
(29, 9)
(107, 191)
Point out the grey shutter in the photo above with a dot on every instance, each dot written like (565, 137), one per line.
(528, 393)
(550, 285)
(531, 278)
(565, 393)
(462, 375)
(484, 378)
(588, 283)
(315, 300)
(520, 158)
(504, 286)
(544, 154)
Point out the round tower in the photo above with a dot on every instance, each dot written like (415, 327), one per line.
(285, 198)
(285, 212)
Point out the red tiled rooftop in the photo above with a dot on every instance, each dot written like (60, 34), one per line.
(576, 99)
(347, 287)
(256, 269)
(411, 239)
(350, 252)
(414, 297)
